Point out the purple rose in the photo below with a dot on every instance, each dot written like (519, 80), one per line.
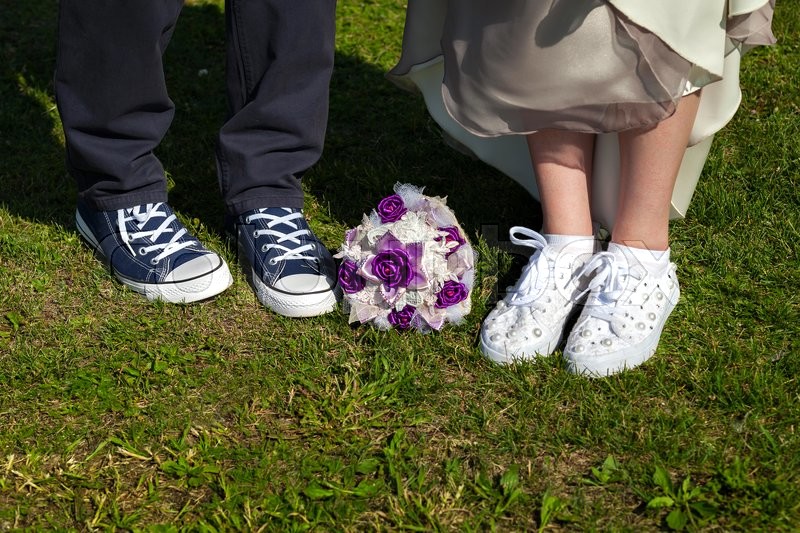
(453, 235)
(391, 208)
(401, 319)
(349, 279)
(452, 292)
(393, 268)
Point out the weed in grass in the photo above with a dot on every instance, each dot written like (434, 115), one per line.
(502, 492)
(609, 472)
(194, 475)
(552, 508)
(688, 504)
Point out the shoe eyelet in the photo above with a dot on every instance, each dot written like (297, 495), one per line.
(264, 249)
(255, 234)
(142, 251)
(272, 262)
(154, 261)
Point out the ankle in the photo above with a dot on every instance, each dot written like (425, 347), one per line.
(656, 262)
(572, 244)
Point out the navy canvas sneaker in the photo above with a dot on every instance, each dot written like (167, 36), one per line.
(291, 272)
(149, 250)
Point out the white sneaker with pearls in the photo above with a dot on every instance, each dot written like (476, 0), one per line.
(530, 320)
(623, 317)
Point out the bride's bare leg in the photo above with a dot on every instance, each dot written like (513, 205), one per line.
(637, 288)
(562, 161)
(649, 162)
(530, 320)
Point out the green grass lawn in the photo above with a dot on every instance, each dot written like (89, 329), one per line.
(119, 413)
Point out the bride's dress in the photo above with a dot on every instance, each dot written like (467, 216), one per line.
(491, 72)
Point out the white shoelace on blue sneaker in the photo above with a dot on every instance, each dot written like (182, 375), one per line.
(293, 237)
(141, 215)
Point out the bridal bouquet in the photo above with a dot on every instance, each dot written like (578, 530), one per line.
(408, 264)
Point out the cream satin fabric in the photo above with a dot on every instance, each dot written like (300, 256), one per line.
(716, 58)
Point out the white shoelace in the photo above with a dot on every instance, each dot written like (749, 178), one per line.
(282, 237)
(141, 215)
(533, 280)
(609, 283)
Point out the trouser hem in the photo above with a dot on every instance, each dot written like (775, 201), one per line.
(259, 202)
(126, 200)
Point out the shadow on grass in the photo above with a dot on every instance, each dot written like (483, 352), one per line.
(377, 134)
(34, 182)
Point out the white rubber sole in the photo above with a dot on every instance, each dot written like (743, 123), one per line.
(505, 357)
(600, 366)
(536, 346)
(293, 305)
(185, 291)
(179, 292)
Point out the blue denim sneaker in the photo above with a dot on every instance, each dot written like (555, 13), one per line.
(150, 251)
(291, 272)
